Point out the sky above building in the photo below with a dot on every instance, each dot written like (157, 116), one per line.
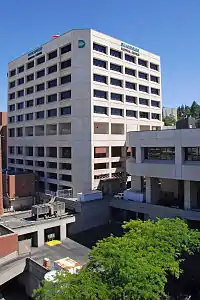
(168, 28)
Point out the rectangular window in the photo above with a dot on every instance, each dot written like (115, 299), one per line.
(66, 177)
(19, 161)
(130, 72)
(100, 166)
(65, 110)
(12, 73)
(65, 166)
(99, 63)
(155, 91)
(130, 58)
(52, 113)
(143, 101)
(100, 78)
(39, 163)
(144, 115)
(12, 84)
(29, 131)
(39, 101)
(11, 150)
(40, 87)
(65, 79)
(29, 103)
(11, 132)
(130, 99)
(130, 85)
(41, 60)
(11, 160)
(65, 64)
(20, 105)
(192, 154)
(20, 93)
(154, 79)
(99, 48)
(19, 150)
(65, 152)
(100, 94)
(29, 162)
(115, 67)
(52, 98)
(100, 110)
(131, 113)
(20, 131)
(30, 90)
(155, 103)
(143, 88)
(40, 73)
(115, 53)
(155, 116)
(52, 69)
(154, 67)
(142, 62)
(30, 64)
(116, 82)
(65, 49)
(12, 107)
(117, 97)
(21, 69)
(143, 75)
(11, 119)
(29, 117)
(20, 81)
(52, 54)
(39, 115)
(20, 118)
(65, 95)
(116, 112)
(159, 153)
(11, 96)
(30, 77)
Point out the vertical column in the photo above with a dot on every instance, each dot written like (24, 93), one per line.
(136, 183)
(40, 237)
(63, 231)
(187, 194)
(155, 190)
(148, 190)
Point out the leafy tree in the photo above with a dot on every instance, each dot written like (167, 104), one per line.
(134, 266)
(169, 120)
(195, 110)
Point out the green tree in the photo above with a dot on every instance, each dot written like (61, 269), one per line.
(169, 120)
(134, 266)
(195, 110)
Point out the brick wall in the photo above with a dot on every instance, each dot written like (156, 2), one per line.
(8, 244)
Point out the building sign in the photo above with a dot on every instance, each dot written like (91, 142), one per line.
(35, 51)
(130, 49)
(81, 43)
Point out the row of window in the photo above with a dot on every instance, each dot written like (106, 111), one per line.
(129, 113)
(126, 84)
(128, 71)
(127, 57)
(41, 100)
(41, 73)
(64, 152)
(41, 87)
(41, 164)
(40, 60)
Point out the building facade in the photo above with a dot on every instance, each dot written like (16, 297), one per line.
(70, 104)
(169, 111)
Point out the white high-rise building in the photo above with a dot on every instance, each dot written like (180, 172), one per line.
(71, 102)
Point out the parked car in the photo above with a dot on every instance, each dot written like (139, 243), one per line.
(119, 196)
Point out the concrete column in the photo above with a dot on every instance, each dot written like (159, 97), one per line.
(187, 194)
(139, 155)
(63, 232)
(193, 194)
(40, 237)
(155, 190)
(136, 183)
(148, 190)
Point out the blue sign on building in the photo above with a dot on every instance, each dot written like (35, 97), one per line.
(130, 48)
(81, 43)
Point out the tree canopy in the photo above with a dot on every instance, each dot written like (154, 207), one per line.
(169, 120)
(187, 111)
(134, 266)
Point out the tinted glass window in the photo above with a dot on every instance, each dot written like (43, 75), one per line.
(155, 103)
(130, 85)
(154, 78)
(65, 49)
(154, 67)
(20, 118)
(65, 110)
(100, 94)
(30, 64)
(52, 69)
(130, 99)
(99, 63)
(39, 115)
(29, 116)
(12, 84)
(29, 103)
(155, 116)
(13, 73)
(65, 79)
(115, 81)
(100, 78)
(143, 75)
(65, 95)
(41, 60)
(100, 110)
(52, 113)
(143, 101)
(21, 69)
(116, 111)
(40, 73)
(155, 91)
(20, 80)
(131, 113)
(30, 90)
(115, 53)
(20, 105)
(30, 77)
(40, 87)
(52, 98)
(99, 48)
(130, 72)
(40, 101)
(142, 62)
(20, 93)
(12, 107)
(130, 58)
(143, 88)
(11, 96)
(115, 67)
(65, 64)
(144, 115)
(52, 55)
(52, 83)
(115, 96)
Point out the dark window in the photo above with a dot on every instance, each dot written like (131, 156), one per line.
(39, 163)
(29, 103)
(154, 67)
(30, 90)
(66, 177)
(20, 93)
(131, 113)
(40, 151)
(20, 118)
(143, 101)
(99, 63)
(65, 166)
(142, 62)
(51, 98)
(100, 78)
(52, 55)
(65, 110)
(29, 162)
(100, 110)
(130, 58)
(52, 175)
(11, 160)
(99, 48)
(154, 78)
(52, 69)
(116, 82)
(52, 165)
(115, 53)
(155, 103)
(41, 60)
(39, 101)
(155, 91)
(20, 150)
(116, 164)
(11, 96)
(155, 116)
(129, 71)
(30, 77)
(65, 79)
(130, 99)
(13, 73)
(115, 67)
(143, 75)
(65, 152)
(40, 87)
(12, 84)
(11, 119)
(100, 94)
(11, 150)
(117, 97)
(20, 131)
(65, 64)
(144, 115)
(39, 115)
(12, 107)
(11, 132)
(52, 113)
(20, 81)
(19, 161)
(65, 49)
(20, 105)
(65, 95)
(100, 166)
(192, 154)
(159, 153)
(30, 64)
(116, 112)
(29, 117)
(40, 73)
(143, 88)
(130, 85)
(21, 69)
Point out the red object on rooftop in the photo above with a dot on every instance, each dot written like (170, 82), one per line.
(55, 36)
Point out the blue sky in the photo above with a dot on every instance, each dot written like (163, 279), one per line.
(169, 28)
